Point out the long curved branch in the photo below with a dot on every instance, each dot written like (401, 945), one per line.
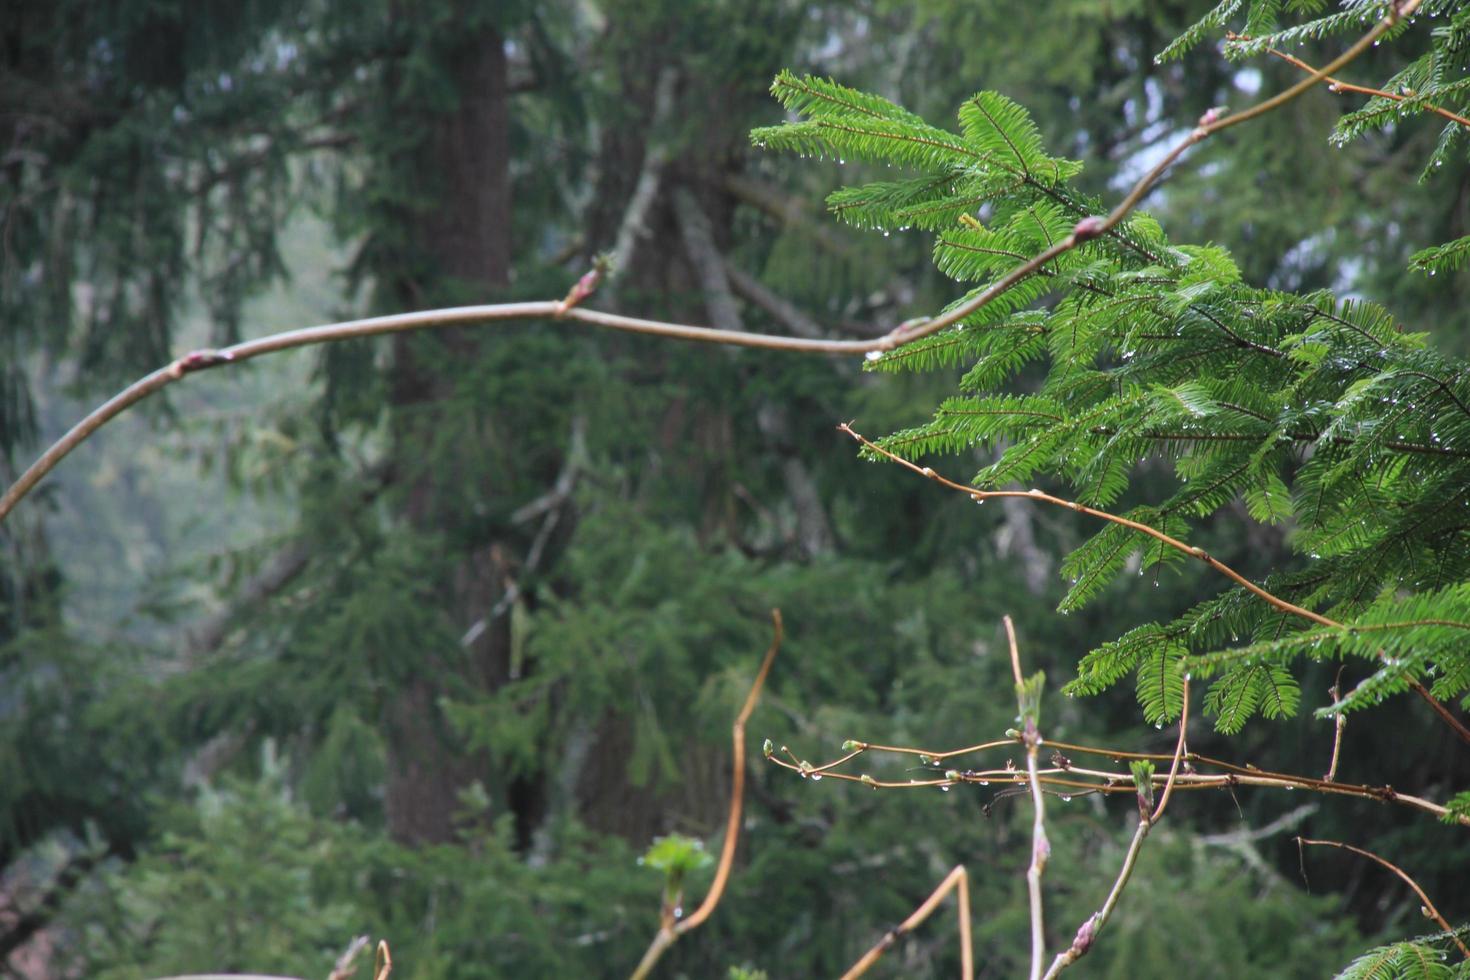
(958, 881)
(1429, 910)
(670, 929)
(1085, 230)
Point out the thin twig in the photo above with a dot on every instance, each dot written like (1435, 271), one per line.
(956, 879)
(1086, 230)
(346, 964)
(1339, 86)
(1179, 750)
(1336, 691)
(1428, 907)
(1087, 933)
(1027, 709)
(1065, 777)
(670, 931)
(1195, 552)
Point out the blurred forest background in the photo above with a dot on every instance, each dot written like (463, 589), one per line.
(429, 637)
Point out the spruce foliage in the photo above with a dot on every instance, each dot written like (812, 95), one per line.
(1320, 413)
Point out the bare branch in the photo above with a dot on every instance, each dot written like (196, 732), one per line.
(790, 211)
(957, 879)
(1087, 933)
(1086, 230)
(669, 932)
(1249, 835)
(1179, 750)
(1027, 709)
(1068, 778)
(779, 309)
(1427, 906)
(814, 531)
(1340, 87)
(1336, 692)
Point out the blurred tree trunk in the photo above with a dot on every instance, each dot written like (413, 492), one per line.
(464, 236)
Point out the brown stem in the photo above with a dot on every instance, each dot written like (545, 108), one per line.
(956, 879)
(1087, 933)
(1339, 86)
(1063, 780)
(904, 333)
(1178, 754)
(1337, 728)
(668, 932)
(1274, 600)
(1040, 845)
(1429, 909)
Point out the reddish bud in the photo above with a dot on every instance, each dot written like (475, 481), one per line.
(584, 287)
(198, 360)
(1088, 228)
(1082, 942)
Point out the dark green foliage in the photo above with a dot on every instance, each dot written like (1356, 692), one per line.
(1310, 410)
(1426, 959)
(248, 880)
(1442, 258)
(1151, 377)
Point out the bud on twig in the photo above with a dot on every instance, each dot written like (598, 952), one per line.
(1088, 228)
(584, 287)
(1086, 933)
(198, 360)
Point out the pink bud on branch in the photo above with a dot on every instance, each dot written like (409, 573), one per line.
(198, 360)
(584, 287)
(1089, 228)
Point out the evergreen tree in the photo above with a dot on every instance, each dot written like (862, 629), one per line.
(507, 635)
